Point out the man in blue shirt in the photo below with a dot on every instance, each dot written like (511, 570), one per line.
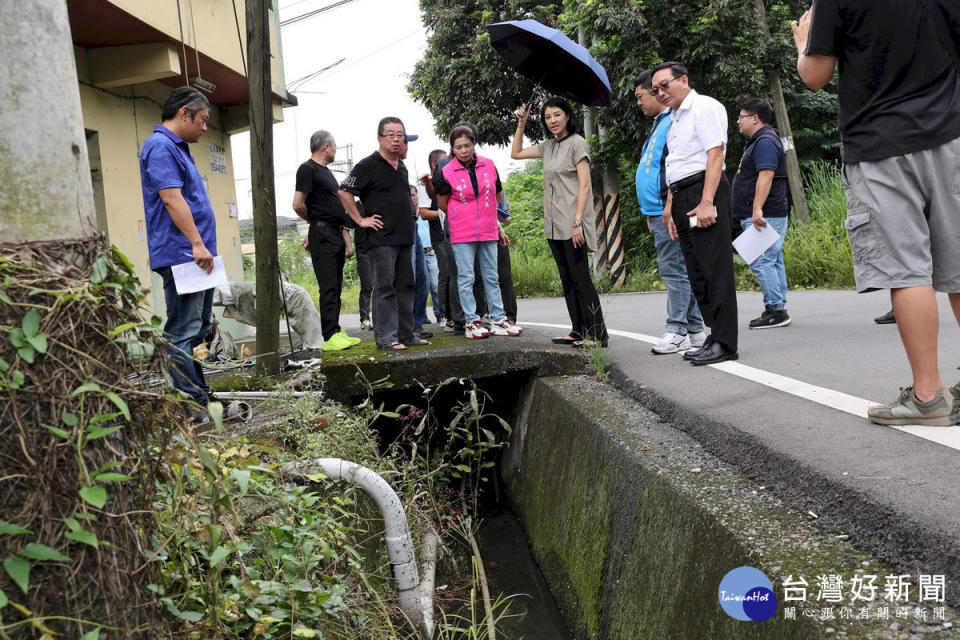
(684, 329)
(760, 199)
(180, 226)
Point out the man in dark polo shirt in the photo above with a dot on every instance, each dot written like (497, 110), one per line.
(698, 206)
(317, 200)
(760, 199)
(380, 181)
(900, 126)
(181, 226)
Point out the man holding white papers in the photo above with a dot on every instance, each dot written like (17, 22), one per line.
(759, 200)
(181, 227)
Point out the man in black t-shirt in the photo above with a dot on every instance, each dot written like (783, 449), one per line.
(317, 200)
(900, 125)
(759, 195)
(380, 181)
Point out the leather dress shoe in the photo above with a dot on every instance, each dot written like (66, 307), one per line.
(716, 352)
(690, 354)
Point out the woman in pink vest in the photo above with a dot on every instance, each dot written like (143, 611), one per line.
(468, 194)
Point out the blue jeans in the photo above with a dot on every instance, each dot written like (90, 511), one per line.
(769, 269)
(683, 314)
(486, 253)
(433, 273)
(421, 283)
(188, 323)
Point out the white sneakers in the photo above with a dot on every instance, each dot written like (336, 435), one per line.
(476, 329)
(505, 328)
(674, 342)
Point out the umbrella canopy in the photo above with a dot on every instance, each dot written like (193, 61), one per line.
(552, 60)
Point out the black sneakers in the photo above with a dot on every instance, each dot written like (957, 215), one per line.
(771, 318)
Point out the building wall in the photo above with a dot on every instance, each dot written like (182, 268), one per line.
(123, 118)
(215, 25)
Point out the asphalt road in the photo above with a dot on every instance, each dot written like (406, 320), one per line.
(791, 413)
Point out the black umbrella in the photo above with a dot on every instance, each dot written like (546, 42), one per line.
(552, 60)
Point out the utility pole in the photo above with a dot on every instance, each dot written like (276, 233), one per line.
(264, 198)
(783, 125)
(600, 255)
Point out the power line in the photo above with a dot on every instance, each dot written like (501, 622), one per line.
(310, 14)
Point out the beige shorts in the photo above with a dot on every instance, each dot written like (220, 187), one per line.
(903, 219)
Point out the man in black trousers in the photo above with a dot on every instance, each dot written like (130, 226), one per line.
(317, 200)
(699, 206)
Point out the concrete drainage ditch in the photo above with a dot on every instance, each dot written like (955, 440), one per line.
(632, 524)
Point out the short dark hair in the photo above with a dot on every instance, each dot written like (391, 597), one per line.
(758, 107)
(473, 128)
(676, 68)
(434, 156)
(463, 130)
(644, 80)
(389, 120)
(188, 97)
(573, 125)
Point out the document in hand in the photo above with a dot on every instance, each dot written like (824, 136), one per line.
(753, 242)
(190, 278)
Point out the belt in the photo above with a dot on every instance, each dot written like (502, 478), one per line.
(428, 250)
(689, 181)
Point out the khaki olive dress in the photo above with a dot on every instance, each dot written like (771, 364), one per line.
(560, 189)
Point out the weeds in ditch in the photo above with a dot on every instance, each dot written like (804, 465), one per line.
(599, 361)
(246, 551)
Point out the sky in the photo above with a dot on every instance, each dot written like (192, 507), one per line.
(381, 41)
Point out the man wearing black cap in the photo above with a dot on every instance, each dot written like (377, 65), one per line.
(380, 181)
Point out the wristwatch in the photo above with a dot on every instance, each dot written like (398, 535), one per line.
(577, 224)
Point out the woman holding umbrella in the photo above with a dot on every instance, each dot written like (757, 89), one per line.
(568, 215)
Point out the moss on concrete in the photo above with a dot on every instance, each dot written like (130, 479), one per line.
(635, 526)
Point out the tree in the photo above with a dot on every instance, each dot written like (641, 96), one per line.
(462, 77)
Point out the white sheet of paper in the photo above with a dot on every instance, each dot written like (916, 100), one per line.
(753, 242)
(190, 278)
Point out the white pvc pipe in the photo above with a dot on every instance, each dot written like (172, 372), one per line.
(262, 395)
(417, 606)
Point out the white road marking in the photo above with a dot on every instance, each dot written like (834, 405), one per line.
(946, 436)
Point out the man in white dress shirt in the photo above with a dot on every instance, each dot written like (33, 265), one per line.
(698, 209)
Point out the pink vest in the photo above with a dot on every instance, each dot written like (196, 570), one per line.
(472, 218)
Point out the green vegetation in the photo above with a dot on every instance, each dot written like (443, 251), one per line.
(817, 255)
(251, 547)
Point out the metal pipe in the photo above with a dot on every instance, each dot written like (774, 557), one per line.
(416, 605)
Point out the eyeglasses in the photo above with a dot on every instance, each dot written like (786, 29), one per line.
(395, 136)
(745, 115)
(663, 86)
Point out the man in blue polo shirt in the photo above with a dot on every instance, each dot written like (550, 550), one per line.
(760, 199)
(180, 226)
(684, 329)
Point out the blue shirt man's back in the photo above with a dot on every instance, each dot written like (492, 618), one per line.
(649, 180)
(166, 163)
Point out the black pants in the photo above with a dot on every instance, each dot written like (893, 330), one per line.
(709, 258)
(507, 292)
(327, 252)
(583, 303)
(392, 294)
(443, 278)
(365, 273)
(447, 264)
